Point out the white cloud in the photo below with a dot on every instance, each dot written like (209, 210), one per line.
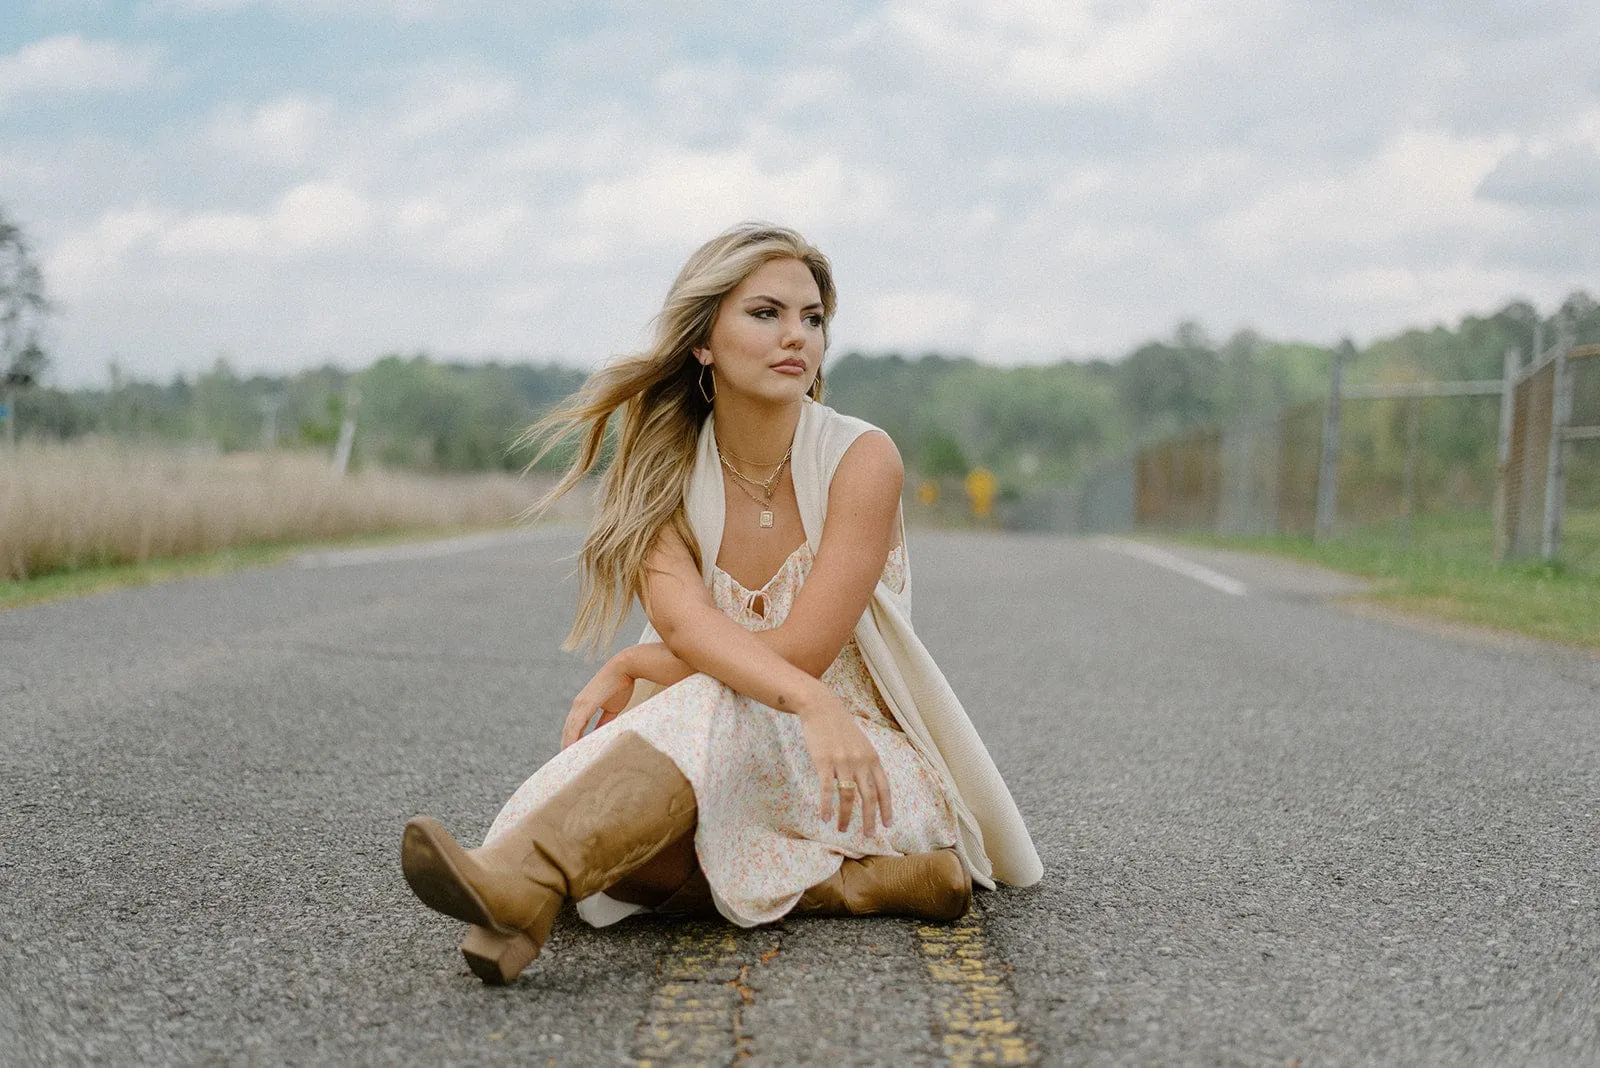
(1422, 182)
(214, 233)
(463, 238)
(917, 321)
(85, 256)
(407, 11)
(284, 131)
(1015, 180)
(314, 217)
(443, 104)
(320, 214)
(1045, 48)
(683, 198)
(71, 65)
(1557, 170)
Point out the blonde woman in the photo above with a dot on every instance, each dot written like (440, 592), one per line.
(779, 740)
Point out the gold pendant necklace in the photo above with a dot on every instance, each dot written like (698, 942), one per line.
(765, 506)
(766, 486)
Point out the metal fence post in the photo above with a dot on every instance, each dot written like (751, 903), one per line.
(1502, 466)
(1408, 490)
(1555, 471)
(1328, 469)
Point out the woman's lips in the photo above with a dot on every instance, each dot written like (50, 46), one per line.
(790, 367)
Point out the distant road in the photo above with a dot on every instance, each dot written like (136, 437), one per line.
(1274, 830)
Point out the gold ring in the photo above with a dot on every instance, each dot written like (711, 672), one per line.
(845, 784)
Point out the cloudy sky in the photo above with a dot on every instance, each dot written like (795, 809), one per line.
(289, 182)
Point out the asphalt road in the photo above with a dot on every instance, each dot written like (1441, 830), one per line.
(1273, 830)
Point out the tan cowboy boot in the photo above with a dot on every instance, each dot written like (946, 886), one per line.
(924, 886)
(615, 815)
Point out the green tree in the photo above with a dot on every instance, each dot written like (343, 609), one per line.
(225, 411)
(23, 308)
(1165, 385)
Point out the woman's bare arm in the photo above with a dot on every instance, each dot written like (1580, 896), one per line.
(863, 504)
(611, 688)
(695, 631)
(654, 662)
(861, 530)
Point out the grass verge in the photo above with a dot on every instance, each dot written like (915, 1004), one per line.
(1443, 570)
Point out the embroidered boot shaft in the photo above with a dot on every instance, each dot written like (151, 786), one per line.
(617, 814)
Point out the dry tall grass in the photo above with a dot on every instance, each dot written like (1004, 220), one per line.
(65, 507)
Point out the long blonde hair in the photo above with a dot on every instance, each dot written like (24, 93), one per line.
(658, 391)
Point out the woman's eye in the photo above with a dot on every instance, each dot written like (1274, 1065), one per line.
(814, 320)
(765, 313)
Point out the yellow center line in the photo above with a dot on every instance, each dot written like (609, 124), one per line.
(976, 1018)
(695, 1013)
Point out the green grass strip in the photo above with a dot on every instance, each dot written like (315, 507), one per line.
(1442, 568)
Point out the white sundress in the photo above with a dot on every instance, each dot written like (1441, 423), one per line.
(761, 839)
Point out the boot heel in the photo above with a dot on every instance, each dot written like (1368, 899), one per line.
(498, 957)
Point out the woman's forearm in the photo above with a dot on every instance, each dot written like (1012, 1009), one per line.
(653, 662)
(796, 652)
(709, 641)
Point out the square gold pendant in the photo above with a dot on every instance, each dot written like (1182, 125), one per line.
(766, 518)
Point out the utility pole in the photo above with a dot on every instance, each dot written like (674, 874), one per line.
(347, 431)
(269, 407)
(20, 377)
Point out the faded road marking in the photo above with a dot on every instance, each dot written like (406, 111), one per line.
(696, 1014)
(976, 1019)
(427, 550)
(1173, 562)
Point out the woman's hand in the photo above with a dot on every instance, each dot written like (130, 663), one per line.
(842, 755)
(607, 693)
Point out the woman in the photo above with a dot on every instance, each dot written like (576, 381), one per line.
(800, 750)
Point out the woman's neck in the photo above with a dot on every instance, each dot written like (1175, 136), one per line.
(759, 434)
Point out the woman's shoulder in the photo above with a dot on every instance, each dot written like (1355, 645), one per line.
(832, 422)
(832, 433)
(847, 446)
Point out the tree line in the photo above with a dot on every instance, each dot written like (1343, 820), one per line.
(948, 413)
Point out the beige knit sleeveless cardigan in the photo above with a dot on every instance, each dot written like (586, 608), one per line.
(994, 843)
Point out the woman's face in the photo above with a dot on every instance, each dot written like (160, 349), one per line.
(767, 339)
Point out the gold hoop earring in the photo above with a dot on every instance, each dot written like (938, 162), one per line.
(702, 380)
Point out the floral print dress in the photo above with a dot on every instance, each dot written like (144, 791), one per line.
(761, 839)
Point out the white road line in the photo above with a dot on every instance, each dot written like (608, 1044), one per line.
(1173, 562)
(385, 554)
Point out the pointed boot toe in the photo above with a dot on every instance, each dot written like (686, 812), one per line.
(437, 869)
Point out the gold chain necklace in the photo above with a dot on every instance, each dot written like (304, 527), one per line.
(765, 519)
(765, 485)
(725, 451)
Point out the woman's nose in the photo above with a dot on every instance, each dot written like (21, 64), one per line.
(794, 333)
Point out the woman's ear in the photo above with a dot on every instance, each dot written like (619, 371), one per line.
(704, 356)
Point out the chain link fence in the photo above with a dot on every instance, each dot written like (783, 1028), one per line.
(1477, 468)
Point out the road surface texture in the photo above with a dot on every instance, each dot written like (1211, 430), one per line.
(1274, 831)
